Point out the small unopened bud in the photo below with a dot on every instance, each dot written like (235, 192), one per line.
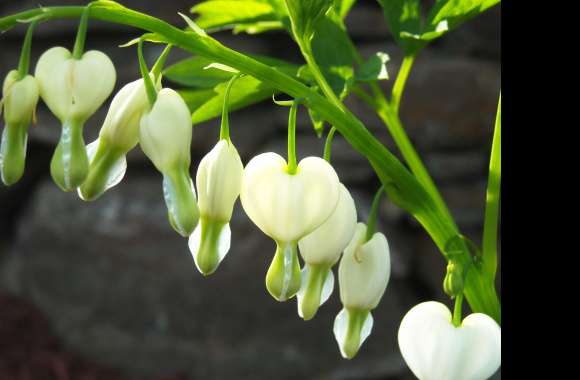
(453, 282)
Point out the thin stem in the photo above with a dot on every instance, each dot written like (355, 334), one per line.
(328, 144)
(401, 80)
(149, 86)
(225, 124)
(492, 199)
(457, 310)
(160, 63)
(79, 47)
(292, 165)
(374, 214)
(24, 63)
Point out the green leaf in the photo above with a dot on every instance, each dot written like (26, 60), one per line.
(455, 12)
(333, 53)
(447, 15)
(343, 7)
(246, 91)
(404, 20)
(305, 15)
(193, 72)
(374, 68)
(258, 27)
(221, 13)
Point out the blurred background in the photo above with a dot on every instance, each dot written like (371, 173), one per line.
(107, 290)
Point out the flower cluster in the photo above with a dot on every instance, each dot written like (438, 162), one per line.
(302, 206)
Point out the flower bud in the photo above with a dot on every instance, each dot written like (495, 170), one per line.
(435, 349)
(363, 275)
(20, 97)
(320, 250)
(287, 207)
(119, 134)
(219, 178)
(165, 137)
(453, 282)
(73, 89)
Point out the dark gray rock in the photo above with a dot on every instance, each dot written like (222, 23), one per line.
(120, 287)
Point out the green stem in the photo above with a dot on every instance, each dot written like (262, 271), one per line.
(399, 85)
(457, 310)
(158, 66)
(404, 189)
(328, 144)
(149, 86)
(292, 164)
(79, 47)
(24, 63)
(492, 200)
(225, 124)
(373, 215)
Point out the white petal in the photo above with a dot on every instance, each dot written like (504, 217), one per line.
(52, 74)
(341, 326)
(327, 288)
(325, 244)
(117, 172)
(364, 270)
(287, 207)
(224, 243)
(165, 132)
(218, 180)
(434, 349)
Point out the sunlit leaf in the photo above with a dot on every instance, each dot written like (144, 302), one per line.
(305, 15)
(404, 20)
(375, 68)
(229, 14)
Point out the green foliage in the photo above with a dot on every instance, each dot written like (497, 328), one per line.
(404, 19)
(332, 51)
(305, 15)
(403, 16)
(206, 86)
(375, 68)
(243, 15)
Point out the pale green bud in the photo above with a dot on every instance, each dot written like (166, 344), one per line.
(363, 275)
(320, 250)
(287, 207)
(73, 89)
(218, 180)
(19, 100)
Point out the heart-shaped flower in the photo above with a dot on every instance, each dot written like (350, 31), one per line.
(165, 137)
(118, 135)
(19, 99)
(73, 89)
(435, 349)
(218, 179)
(363, 275)
(287, 207)
(320, 250)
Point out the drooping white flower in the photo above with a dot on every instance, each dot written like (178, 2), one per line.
(118, 135)
(19, 99)
(73, 89)
(287, 207)
(165, 136)
(218, 179)
(320, 250)
(435, 349)
(363, 275)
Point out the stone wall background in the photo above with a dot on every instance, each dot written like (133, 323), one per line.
(118, 286)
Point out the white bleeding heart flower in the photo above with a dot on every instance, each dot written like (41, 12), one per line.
(363, 275)
(165, 136)
(118, 135)
(218, 180)
(320, 250)
(19, 100)
(435, 349)
(73, 89)
(287, 207)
